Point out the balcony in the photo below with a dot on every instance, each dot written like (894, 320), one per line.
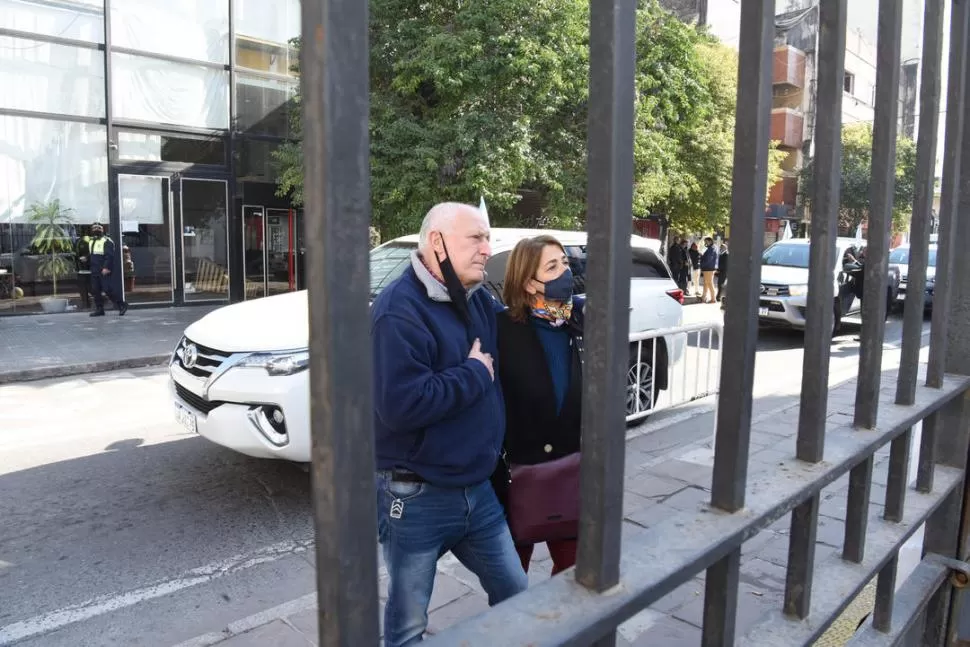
(787, 126)
(789, 67)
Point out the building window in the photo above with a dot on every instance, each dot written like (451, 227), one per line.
(184, 28)
(263, 105)
(75, 19)
(43, 77)
(162, 147)
(42, 160)
(263, 33)
(848, 83)
(256, 162)
(156, 91)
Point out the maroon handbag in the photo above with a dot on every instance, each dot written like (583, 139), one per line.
(544, 501)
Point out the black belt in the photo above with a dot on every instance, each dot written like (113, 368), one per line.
(404, 476)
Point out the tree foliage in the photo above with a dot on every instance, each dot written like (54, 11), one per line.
(489, 98)
(856, 185)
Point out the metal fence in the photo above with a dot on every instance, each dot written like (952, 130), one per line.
(585, 605)
(693, 367)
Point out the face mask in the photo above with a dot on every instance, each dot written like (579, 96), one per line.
(457, 291)
(559, 288)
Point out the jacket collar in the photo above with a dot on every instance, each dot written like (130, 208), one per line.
(436, 289)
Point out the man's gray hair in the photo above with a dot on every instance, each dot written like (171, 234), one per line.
(440, 218)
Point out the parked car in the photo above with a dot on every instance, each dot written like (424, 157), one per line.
(784, 284)
(238, 376)
(900, 258)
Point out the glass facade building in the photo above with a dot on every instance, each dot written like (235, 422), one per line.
(159, 120)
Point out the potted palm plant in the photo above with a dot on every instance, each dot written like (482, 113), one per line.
(52, 240)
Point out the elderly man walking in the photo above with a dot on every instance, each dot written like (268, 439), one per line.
(439, 422)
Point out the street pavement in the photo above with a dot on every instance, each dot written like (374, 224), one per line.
(120, 529)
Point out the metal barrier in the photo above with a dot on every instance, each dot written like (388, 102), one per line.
(693, 370)
(584, 606)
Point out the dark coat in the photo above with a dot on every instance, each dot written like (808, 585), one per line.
(535, 431)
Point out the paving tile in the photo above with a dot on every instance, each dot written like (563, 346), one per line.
(689, 499)
(651, 486)
(669, 632)
(306, 622)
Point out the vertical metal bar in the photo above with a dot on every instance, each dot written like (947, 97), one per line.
(750, 180)
(952, 149)
(336, 158)
(957, 303)
(810, 445)
(883, 185)
(944, 532)
(653, 372)
(882, 615)
(710, 359)
(721, 601)
(612, 45)
(114, 191)
(898, 480)
(801, 558)
(929, 120)
(697, 366)
(636, 401)
(683, 386)
(234, 254)
(857, 511)
(926, 466)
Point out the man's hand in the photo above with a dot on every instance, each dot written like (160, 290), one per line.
(105, 272)
(484, 358)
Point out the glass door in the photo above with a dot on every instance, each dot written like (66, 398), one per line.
(205, 238)
(145, 212)
(280, 251)
(254, 250)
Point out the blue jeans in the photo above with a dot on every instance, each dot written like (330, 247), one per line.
(417, 524)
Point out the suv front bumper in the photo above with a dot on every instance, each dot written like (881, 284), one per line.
(785, 311)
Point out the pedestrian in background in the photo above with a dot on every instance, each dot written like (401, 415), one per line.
(104, 280)
(695, 268)
(708, 267)
(676, 261)
(722, 271)
(540, 343)
(439, 422)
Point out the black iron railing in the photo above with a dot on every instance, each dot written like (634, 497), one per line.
(623, 569)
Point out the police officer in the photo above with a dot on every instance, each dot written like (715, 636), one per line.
(103, 281)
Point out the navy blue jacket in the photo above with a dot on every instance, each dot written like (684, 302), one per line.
(437, 412)
(104, 261)
(709, 260)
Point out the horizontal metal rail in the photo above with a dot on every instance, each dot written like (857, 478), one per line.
(692, 362)
(560, 612)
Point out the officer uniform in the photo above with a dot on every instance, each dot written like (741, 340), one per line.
(104, 282)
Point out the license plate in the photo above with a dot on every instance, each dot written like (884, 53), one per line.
(762, 312)
(186, 418)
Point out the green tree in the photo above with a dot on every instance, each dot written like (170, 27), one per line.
(490, 98)
(856, 186)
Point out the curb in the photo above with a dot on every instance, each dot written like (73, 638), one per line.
(68, 370)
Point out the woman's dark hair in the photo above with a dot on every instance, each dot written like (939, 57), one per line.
(522, 267)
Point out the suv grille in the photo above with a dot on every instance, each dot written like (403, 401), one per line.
(769, 290)
(198, 403)
(207, 360)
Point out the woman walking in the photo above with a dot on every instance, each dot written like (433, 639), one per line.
(539, 347)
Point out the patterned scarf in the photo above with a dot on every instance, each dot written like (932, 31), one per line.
(556, 314)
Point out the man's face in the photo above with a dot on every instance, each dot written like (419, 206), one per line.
(468, 246)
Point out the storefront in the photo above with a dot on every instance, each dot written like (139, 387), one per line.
(159, 122)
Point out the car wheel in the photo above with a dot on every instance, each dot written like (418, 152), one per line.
(641, 386)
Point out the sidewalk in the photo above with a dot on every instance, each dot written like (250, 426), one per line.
(36, 347)
(667, 470)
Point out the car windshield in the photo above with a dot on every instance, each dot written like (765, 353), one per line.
(387, 263)
(786, 255)
(900, 256)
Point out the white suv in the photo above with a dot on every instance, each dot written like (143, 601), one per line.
(239, 378)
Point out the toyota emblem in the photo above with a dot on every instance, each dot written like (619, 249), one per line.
(190, 356)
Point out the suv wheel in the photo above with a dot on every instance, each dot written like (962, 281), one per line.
(641, 388)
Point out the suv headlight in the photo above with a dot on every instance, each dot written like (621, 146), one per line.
(286, 363)
(798, 290)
